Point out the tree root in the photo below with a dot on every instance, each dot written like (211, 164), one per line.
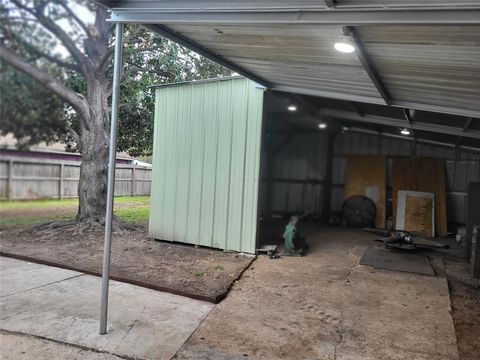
(53, 224)
(76, 227)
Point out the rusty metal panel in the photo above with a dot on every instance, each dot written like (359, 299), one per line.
(206, 164)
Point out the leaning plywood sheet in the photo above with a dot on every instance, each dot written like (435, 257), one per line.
(416, 212)
(366, 176)
(425, 175)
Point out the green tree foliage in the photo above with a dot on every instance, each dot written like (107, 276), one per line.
(67, 47)
(35, 115)
(164, 62)
(30, 113)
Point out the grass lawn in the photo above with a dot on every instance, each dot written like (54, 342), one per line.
(15, 213)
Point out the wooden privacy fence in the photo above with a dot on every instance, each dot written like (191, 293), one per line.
(45, 179)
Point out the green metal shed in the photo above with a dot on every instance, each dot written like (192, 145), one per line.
(206, 162)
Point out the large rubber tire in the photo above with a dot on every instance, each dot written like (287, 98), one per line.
(359, 211)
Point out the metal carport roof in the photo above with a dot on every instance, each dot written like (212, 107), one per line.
(425, 55)
(410, 54)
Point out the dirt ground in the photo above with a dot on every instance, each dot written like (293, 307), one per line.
(466, 316)
(200, 273)
(277, 301)
(326, 306)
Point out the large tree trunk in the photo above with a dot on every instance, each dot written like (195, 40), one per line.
(94, 142)
(92, 107)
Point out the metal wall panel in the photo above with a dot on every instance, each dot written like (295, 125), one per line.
(206, 161)
(299, 174)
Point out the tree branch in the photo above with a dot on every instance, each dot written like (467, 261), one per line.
(153, 48)
(105, 58)
(77, 101)
(60, 34)
(111, 49)
(75, 17)
(46, 56)
(74, 135)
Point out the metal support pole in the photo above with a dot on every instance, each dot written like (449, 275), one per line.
(117, 64)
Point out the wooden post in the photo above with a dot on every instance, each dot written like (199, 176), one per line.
(10, 180)
(134, 183)
(60, 188)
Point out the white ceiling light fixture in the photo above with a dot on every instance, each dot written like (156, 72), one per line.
(405, 131)
(345, 128)
(292, 108)
(345, 44)
(322, 126)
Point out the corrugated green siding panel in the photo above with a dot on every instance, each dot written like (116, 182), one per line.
(206, 160)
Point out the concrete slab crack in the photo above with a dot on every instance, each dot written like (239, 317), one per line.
(41, 286)
(356, 263)
(132, 325)
(193, 332)
(341, 334)
(80, 347)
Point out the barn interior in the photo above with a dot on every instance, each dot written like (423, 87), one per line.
(317, 153)
(396, 81)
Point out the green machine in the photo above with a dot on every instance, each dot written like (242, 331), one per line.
(295, 244)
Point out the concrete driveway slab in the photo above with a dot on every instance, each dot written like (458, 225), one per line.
(22, 347)
(17, 276)
(143, 323)
(325, 306)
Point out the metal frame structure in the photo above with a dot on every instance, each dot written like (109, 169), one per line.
(181, 40)
(399, 123)
(158, 17)
(416, 140)
(162, 18)
(367, 63)
(336, 16)
(117, 67)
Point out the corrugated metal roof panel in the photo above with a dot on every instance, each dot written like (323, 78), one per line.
(288, 46)
(293, 55)
(435, 65)
(206, 164)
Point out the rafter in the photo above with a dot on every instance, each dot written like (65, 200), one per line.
(399, 123)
